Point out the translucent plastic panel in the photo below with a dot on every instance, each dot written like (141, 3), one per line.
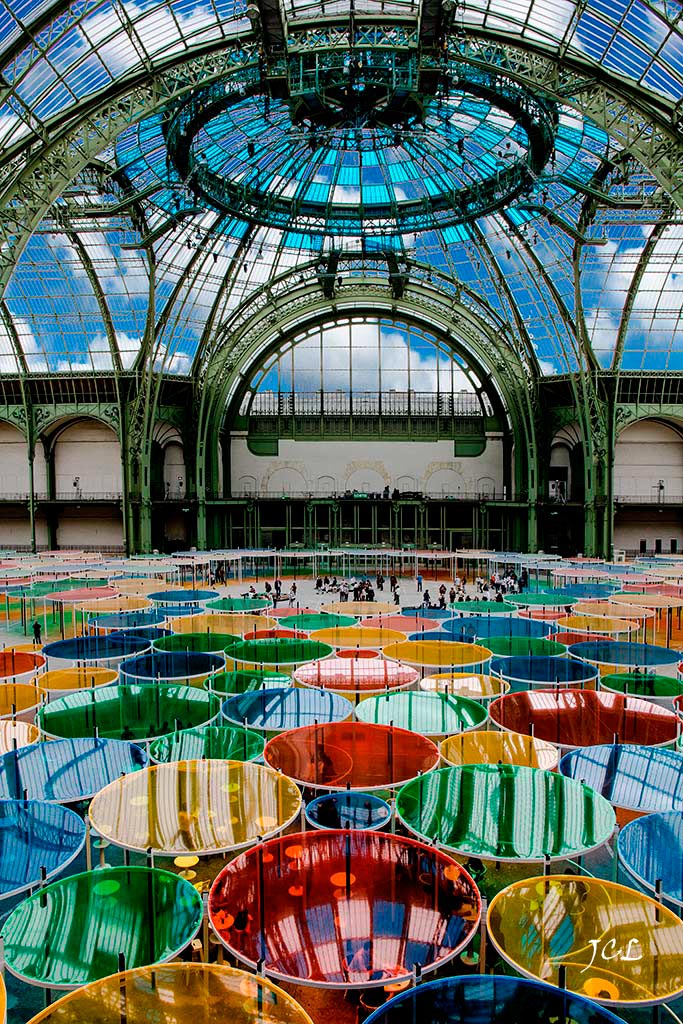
(55, 309)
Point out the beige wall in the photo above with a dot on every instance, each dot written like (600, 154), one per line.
(646, 453)
(90, 452)
(332, 467)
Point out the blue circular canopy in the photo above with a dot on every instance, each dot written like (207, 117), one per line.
(127, 620)
(479, 627)
(651, 850)
(348, 810)
(621, 652)
(66, 771)
(489, 999)
(286, 708)
(634, 777)
(96, 648)
(36, 836)
(543, 670)
(170, 665)
(191, 597)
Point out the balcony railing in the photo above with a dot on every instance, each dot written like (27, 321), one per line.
(654, 498)
(479, 496)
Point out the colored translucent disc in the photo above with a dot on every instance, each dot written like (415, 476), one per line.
(359, 608)
(199, 643)
(651, 850)
(33, 836)
(643, 684)
(286, 708)
(309, 621)
(225, 684)
(516, 646)
(347, 675)
(539, 670)
(623, 654)
(373, 637)
(355, 754)
(505, 812)
(577, 718)
(164, 597)
(66, 771)
(215, 742)
(345, 909)
(637, 778)
(476, 685)
(491, 747)
(610, 626)
(96, 648)
(173, 666)
(616, 945)
(128, 711)
(278, 652)
(436, 654)
(16, 734)
(348, 810)
(403, 623)
(197, 807)
(239, 604)
(492, 999)
(432, 714)
(72, 931)
(220, 622)
(478, 627)
(177, 993)
(77, 678)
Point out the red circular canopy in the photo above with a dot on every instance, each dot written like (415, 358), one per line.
(361, 755)
(350, 675)
(584, 718)
(82, 594)
(344, 909)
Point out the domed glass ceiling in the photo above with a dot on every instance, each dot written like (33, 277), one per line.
(550, 222)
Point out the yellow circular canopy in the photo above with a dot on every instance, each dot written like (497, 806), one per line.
(125, 603)
(656, 601)
(611, 609)
(361, 608)
(220, 622)
(611, 627)
(176, 993)
(21, 732)
(18, 697)
(77, 678)
(358, 636)
(437, 653)
(476, 685)
(493, 747)
(617, 945)
(200, 807)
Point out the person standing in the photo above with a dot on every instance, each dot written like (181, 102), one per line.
(37, 632)
(418, 580)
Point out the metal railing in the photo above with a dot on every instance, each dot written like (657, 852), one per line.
(654, 498)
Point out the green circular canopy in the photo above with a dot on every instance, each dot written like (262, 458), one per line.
(475, 607)
(431, 714)
(505, 812)
(136, 711)
(226, 684)
(282, 651)
(520, 646)
(199, 643)
(72, 932)
(239, 604)
(309, 621)
(213, 742)
(643, 684)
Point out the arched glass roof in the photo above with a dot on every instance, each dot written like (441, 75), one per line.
(188, 208)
